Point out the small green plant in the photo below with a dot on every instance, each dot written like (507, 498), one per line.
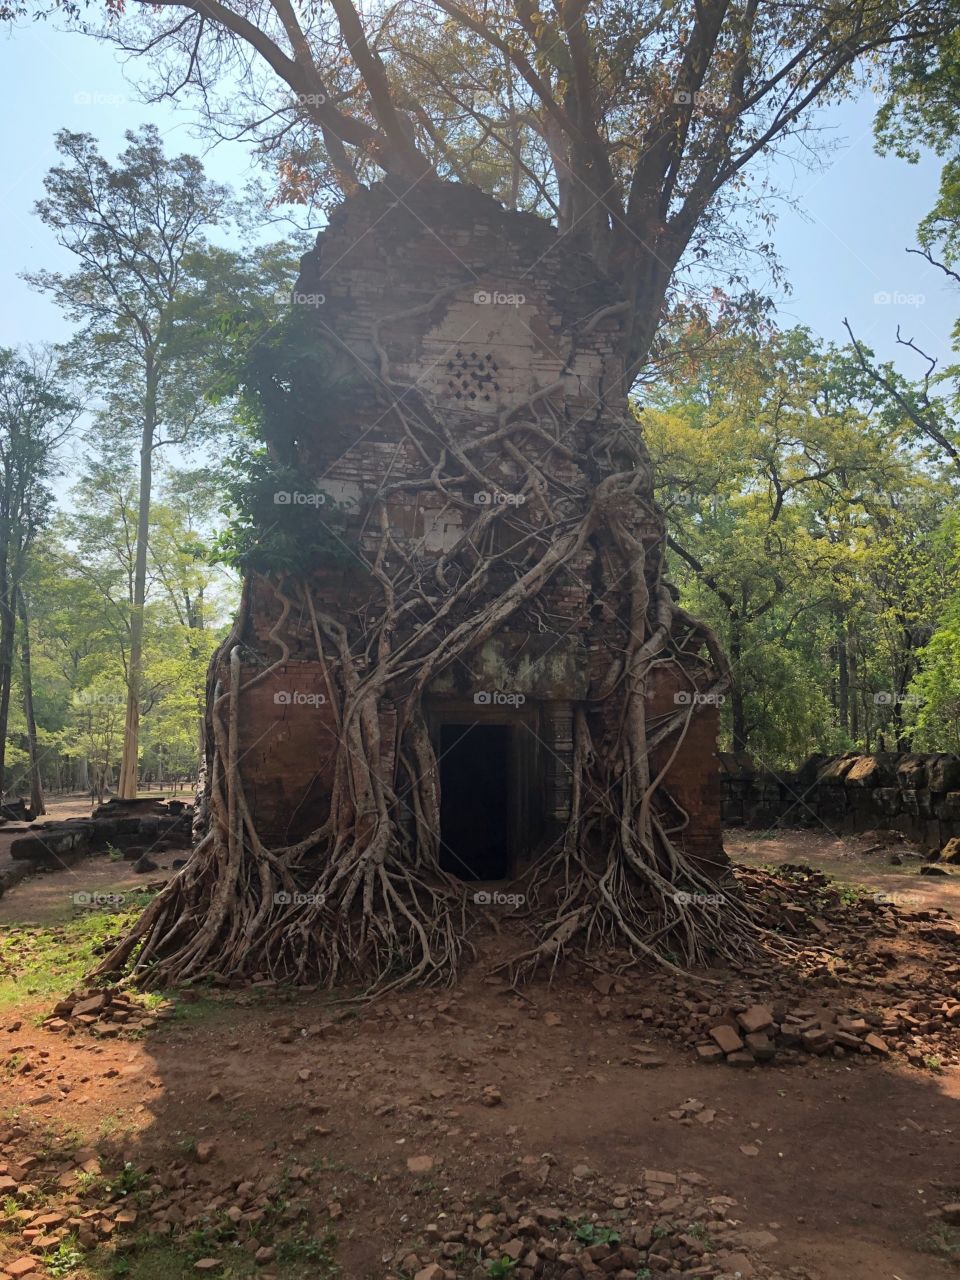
(114, 854)
(501, 1267)
(127, 1181)
(933, 1063)
(590, 1233)
(850, 895)
(65, 1259)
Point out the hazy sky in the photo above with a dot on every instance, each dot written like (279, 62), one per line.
(843, 243)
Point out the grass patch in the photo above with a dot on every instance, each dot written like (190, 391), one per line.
(152, 1257)
(49, 960)
(942, 1241)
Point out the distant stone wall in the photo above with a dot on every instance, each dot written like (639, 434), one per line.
(913, 793)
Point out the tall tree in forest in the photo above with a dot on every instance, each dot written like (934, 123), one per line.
(138, 230)
(35, 415)
(37, 805)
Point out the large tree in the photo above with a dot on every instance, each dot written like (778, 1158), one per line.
(144, 271)
(801, 518)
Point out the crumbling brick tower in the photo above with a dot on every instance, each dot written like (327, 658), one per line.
(486, 679)
(450, 305)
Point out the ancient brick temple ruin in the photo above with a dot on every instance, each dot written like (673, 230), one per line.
(443, 307)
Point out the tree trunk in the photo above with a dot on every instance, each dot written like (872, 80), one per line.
(8, 625)
(850, 641)
(736, 690)
(843, 673)
(37, 805)
(131, 732)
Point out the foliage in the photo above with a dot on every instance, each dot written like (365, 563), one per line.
(501, 1266)
(590, 1233)
(36, 415)
(145, 290)
(284, 372)
(79, 586)
(64, 1260)
(276, 527)
(922, 110)
(804, 523)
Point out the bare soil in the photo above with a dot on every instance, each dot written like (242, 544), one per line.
(860, 860)
(49, 895)
(844, 1160)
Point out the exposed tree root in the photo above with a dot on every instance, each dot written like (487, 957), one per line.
(363, 898)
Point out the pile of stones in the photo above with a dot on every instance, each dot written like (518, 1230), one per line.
(745, 1029)
(667, 1227)
(902, 998)
(104, 1011)
(760, 1034)
(86, 1200)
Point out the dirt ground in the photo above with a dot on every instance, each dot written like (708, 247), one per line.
(856, 860)
(50, 896)
(835, 1169)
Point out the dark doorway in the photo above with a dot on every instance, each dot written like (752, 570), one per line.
(474, 800)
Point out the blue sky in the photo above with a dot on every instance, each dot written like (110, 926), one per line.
(843, 243)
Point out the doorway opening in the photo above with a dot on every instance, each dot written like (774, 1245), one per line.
(475, 800)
